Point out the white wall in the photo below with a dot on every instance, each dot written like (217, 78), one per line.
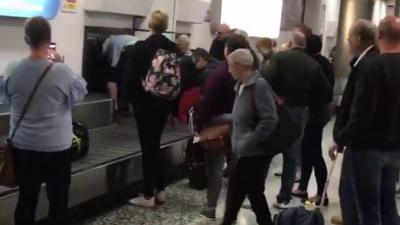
(68, 28)
(67, 32)
(323, 22)
(12, 42)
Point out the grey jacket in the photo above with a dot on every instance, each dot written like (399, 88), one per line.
(254, 117)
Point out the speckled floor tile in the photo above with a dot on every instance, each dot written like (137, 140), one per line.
(184, 204)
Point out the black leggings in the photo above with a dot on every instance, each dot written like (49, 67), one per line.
(34, 168)
(248, 179)
(311, 157)
(151, 120)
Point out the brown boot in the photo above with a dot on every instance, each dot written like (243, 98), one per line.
(337, 220)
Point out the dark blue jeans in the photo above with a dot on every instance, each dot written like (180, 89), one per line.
(375, 176)
(292, 156)
(347, 193)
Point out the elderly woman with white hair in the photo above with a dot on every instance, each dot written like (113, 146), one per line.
(254, 117)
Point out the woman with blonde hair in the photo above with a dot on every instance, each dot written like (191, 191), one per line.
(151, 112)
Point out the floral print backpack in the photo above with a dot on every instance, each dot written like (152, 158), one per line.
(163, 79)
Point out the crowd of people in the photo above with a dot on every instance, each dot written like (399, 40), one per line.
(231, 84)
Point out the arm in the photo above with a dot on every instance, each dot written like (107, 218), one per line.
(271, 74)
(3, 94)
(4, 97)
(364, 105)
(76, 86)
(268, 116)
(204, 110)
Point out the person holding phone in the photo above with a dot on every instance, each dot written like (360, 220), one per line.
(41, 144)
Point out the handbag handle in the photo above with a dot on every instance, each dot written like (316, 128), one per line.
(29, 101)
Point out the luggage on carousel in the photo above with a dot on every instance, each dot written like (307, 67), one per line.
(80, 141)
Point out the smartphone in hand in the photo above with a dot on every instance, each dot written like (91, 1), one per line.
(52, 51)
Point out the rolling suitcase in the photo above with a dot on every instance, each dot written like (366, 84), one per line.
(305, 215)
(195, 157)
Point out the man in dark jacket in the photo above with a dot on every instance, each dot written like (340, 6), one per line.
(299, 82)
(205, 64)
(372, 131)
(361, 43)
(218, 44)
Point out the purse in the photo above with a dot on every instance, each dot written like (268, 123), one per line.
(215, 138)
(8, 174)
(286, 131)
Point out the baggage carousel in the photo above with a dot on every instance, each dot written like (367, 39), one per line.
(113, 162)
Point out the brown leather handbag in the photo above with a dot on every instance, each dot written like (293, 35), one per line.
(8, 174)
(215, 138)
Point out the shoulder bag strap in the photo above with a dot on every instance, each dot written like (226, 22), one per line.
(29, 101)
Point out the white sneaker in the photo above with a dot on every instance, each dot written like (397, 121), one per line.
(283, 205)
(161, 197)
(143, 202)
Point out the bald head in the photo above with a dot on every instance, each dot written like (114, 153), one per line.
(223, 30)
(389, 29)
(298, 40)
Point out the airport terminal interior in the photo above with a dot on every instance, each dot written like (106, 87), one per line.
(98, 40)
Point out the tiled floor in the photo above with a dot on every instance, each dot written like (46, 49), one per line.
(184, 204)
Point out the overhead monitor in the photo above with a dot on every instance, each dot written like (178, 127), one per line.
(29, 8)
(259, 18)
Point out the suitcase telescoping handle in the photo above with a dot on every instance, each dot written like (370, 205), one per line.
(191, 121)
(328, 180)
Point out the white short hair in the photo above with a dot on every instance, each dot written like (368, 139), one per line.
(241, 56)
(183, 40)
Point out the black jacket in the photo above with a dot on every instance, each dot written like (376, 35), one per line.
(343, 114)
(140, 57)
(189, 73)
(370, 114)
(326, 66)
(298, 78)
(374, 121)
(217, 49)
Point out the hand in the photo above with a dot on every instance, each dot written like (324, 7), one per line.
(280, 100)
(333, 151)
(58, 58)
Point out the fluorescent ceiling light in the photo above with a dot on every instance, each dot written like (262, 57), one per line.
(259, 18)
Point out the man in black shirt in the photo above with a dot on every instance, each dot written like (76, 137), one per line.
(218, 44)
(372, 132)
(361, 43)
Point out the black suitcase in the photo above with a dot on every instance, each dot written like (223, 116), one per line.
(301, 215)
(196, 166)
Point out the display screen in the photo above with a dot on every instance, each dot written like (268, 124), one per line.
(259, 18)
(29, 8)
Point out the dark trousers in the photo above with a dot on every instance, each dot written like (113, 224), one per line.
(33, 169)
(151, 120)
(347, 192)
(375, 176)
(291, 156)
(248, 179)
(311, 157)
